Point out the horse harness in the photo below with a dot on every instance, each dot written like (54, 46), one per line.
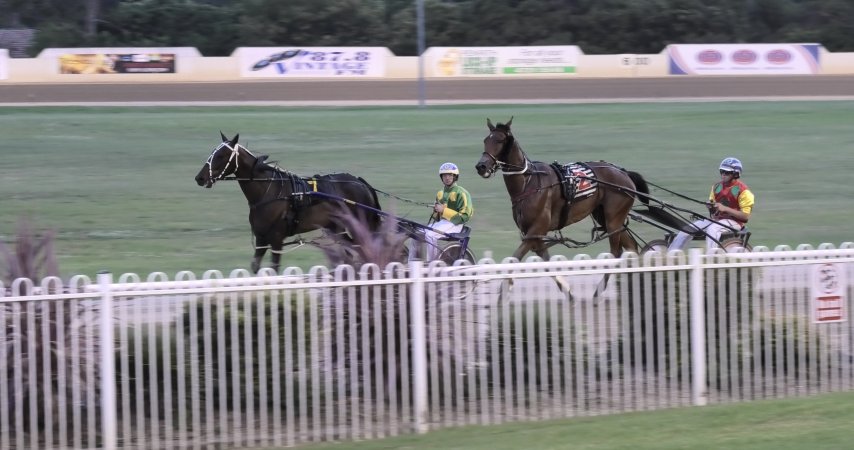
(577, 182)
(298, 199)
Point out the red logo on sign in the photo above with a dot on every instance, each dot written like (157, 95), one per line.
(778, 56)
(744, 57)
(710, 57)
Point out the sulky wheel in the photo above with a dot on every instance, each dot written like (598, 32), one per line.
(732, 243)
(451, 253)
(655, 245)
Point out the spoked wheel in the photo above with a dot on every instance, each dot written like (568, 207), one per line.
(732, 243)
(655, 245)
(451, 253)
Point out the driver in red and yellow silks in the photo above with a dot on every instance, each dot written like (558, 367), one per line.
(730, 205)
(453, 208)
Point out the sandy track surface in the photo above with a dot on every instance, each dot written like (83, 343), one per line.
(409, 92)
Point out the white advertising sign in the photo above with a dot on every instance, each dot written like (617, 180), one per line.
(313, 62)
(491, 61)
(4, 63)
(743, 59)
(829, 298)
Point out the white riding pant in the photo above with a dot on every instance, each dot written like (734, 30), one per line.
(431, 238)
(712, 230)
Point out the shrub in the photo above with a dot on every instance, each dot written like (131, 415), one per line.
(33, 256)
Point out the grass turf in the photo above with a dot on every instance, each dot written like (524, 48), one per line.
(821, 422)
(117, 183)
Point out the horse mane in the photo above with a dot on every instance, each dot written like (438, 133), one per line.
(273, 166)
(261, 163)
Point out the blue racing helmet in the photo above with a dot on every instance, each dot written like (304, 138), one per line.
(732, 164)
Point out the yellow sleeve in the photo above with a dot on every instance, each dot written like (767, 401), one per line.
(745, 201)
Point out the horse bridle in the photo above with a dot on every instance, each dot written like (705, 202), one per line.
(503, 165)
(234, 154)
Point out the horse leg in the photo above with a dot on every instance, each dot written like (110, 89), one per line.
(542, 250)
(627, 242)
(526, 246)
(539, 247)
(529, 244)
(276, 254)
(260, 248)
(616, 241)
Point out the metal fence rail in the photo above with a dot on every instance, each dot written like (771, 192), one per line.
(281, 360)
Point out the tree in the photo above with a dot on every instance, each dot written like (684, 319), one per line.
(445, 25)
(212, 29)
(311, 23)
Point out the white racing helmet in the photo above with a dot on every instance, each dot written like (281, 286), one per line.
(449, 167)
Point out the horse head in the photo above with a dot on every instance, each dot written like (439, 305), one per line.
(496, 146)
(223, 161)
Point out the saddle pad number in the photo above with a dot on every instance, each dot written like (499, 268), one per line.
(581, 179)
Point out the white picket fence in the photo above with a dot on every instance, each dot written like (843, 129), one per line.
(292, 358)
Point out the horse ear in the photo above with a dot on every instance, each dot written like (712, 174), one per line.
(490, 125)
(224, 139)
(263, 158)
(509, 122)
(234, 141)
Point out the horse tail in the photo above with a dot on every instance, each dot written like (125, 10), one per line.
(375, 223)
(641, 188)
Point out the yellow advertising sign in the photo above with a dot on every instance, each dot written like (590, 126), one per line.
(100, 63)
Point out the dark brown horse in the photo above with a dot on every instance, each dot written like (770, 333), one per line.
(282, 204)
(540, 205)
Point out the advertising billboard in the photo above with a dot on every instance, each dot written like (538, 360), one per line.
(4, 63)
(313, 62)
(506, 61)
(99, 63)
(743, 59)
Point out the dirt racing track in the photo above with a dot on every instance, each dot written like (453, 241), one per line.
(459, 91)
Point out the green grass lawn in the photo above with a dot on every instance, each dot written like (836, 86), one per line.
(117, 183)
(817, 423)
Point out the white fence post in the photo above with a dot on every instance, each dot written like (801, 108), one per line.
(419, 346)
(699, 392)
(108, 364)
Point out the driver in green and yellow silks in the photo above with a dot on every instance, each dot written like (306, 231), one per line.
(452, 209)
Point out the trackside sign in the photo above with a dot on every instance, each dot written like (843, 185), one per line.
(4, 63)
(743, 59)
(829, 299)
(503, 61)
(313, 62)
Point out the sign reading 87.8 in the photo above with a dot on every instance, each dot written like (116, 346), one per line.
(318, 62)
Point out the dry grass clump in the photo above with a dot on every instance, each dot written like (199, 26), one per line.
(31, 254)
(362, 245)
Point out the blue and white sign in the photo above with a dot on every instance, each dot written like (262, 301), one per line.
(312, 62)
(744, 59)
